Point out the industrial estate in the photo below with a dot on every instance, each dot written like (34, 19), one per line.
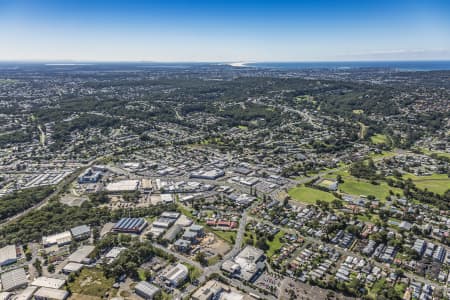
(210, 181)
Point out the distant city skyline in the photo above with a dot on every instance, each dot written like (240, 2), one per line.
(224, 31)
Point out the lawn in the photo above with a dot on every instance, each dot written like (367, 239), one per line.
(92, 282)
(213, 260)
(141, 274)
(357, 187)
(400, 288)
(228, 236)
(185, 210)
(362, 130)
(377, 287)
(429, 152)
(384, 154)
(194, 272)
(310, 195)
(379, 139)
(305, 98)
(372, 219)
(436, 183)
(275, 244)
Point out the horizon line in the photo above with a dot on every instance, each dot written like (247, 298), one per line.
(217, 62)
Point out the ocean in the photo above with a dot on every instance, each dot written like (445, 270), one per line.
(395, 65)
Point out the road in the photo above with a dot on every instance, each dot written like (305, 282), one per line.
(347, 252)
(56, 192)
(215, 268)
(59, 188)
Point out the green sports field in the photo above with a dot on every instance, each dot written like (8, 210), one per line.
(436, 183)
(310, 195)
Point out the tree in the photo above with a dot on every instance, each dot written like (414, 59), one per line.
(336, 203)
(38, 266)
(201, 258)
(261, 243)
(51, 268)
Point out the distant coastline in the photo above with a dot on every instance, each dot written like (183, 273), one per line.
(239, 64)
(441, 65)
(394, 65)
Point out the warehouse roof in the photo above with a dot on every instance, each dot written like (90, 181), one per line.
(49, 293)
(58, 238)
(5, 295)
(81, 254)
(80, 230)
(26, 294)
(114, 252)
(72, 267)
(146, 288)
(170, 214)
(48, 282)
(123, 185)
(129, 224)
(14, 279)
(8, 253)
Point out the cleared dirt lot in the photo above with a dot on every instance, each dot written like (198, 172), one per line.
(305, 291)
(215, 245)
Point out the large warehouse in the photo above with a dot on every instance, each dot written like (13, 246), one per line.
(176, 276)
(59, 239)
(8, 255)
(130, 225)
(146, 290)
(123, 186)
(14, 279)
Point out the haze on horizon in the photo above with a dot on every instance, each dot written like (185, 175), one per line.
(231, 30)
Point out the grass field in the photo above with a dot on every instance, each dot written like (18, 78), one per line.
(436, 183)
(355, 186)
(194, 272)
(362, 130)
(185, 211)
(384, 154)
(228, 236)
(213, 260)
(305, 98)
(428, 152)
(352, 186)
(372, 219)
(379, 139)
(141, 274)
(310, 195)
(377, 287)
(92, 282)
(275, 244)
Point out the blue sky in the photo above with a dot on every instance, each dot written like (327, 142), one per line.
(263, 30)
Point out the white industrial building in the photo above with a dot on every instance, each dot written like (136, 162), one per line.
(59, 239)
(81, 255)
(146, 290)
(72, 267)
(8, 255)
(247, 264)
(176, 276)
(123, 186)
(45, 293)
(48, 282)
(81, 232)
(14, 279)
